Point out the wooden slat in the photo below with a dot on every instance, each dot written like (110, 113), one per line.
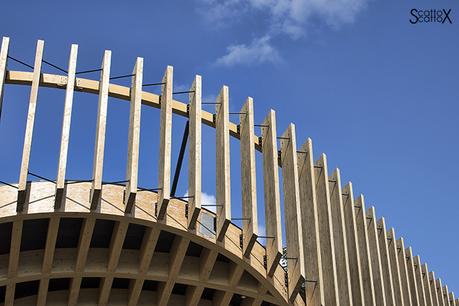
(412, 276)
(29, 126)
(99, 148)
(292, 212)
(428, 289)
(446, 295)
(439, 291)
(3, 61)
(13, 260)
(194, 161)
(386, 262)
(178, 250)
(271, 193)
(310, 225)
(248, 178)
(327, 248)
(132, 167)
(364, 249)
(395, 268)
(353, 246)
(165, 143)
(419, 281)
(222, 179)
(433, 289)
(452, 300)
(340, 242)
(375, 256)
(65, 134)
(404, 272)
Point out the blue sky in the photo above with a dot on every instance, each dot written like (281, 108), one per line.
(377, 94)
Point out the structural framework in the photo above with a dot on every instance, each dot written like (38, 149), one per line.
(93, 242)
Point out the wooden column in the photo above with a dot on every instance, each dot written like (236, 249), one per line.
(433, 289)
(439, 292)
(292, 213)
(339, 237)
(271, 193)
(386, 262)
(132, 169)
(165, 142)
(353, 245)
(194, 159)
(62, 167)
(395, 268)
(412, 277)
(404, 271)
(3, 61)
(248, 178)
(419, 281)
(367, 273)
(310, 226)
(375, 257)
(222, 179)
(452, 300)
(99, 147)
(426, 280)
(22, 187)
(446, 295)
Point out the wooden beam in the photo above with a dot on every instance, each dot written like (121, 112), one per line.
(132, 168)
(207, 262)
(340, 242)
(412, 276)
(222, 178)
(99, 148)
(177, 254)
(147, 251)
(452, 300)
(3, 70)
(358, 297)
(292, 213)
(165, 143)
(433, 289)
(395, 268)
(364, 249)
(428, 289)
(446, 295)
(404, 272)
(248, 178)
(65, 134)
(314, 291)
(13, 261)
(271, 193)
(419, 281)
(386, 262)
(375, 257)
(194, 161)
(224, 298)
(82, 255)
(439, 291)
(22, 186)
(327, 247)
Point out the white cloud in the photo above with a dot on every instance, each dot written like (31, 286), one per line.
(259, 51)
(207, 199)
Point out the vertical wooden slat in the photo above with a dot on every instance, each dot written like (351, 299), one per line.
(439, 291)
(292, 213)
(248, 178)
(310, 225)
(165, 143)
(426, 280)
(271, 193)
(395, 268)
(452, 300)
(339, 237)
(353, 245)
(132, 168)
(419, 281)
(3, 61)
(446, 295)
(386, 262)
(98, 163)
(412, 276)
(404, 271)
(66, 121)
(222, 179)
(367, 273)
(433, 289)
(375, 256)
(30, 125)
(194, 159)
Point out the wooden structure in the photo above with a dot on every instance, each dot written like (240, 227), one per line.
(91, 242)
